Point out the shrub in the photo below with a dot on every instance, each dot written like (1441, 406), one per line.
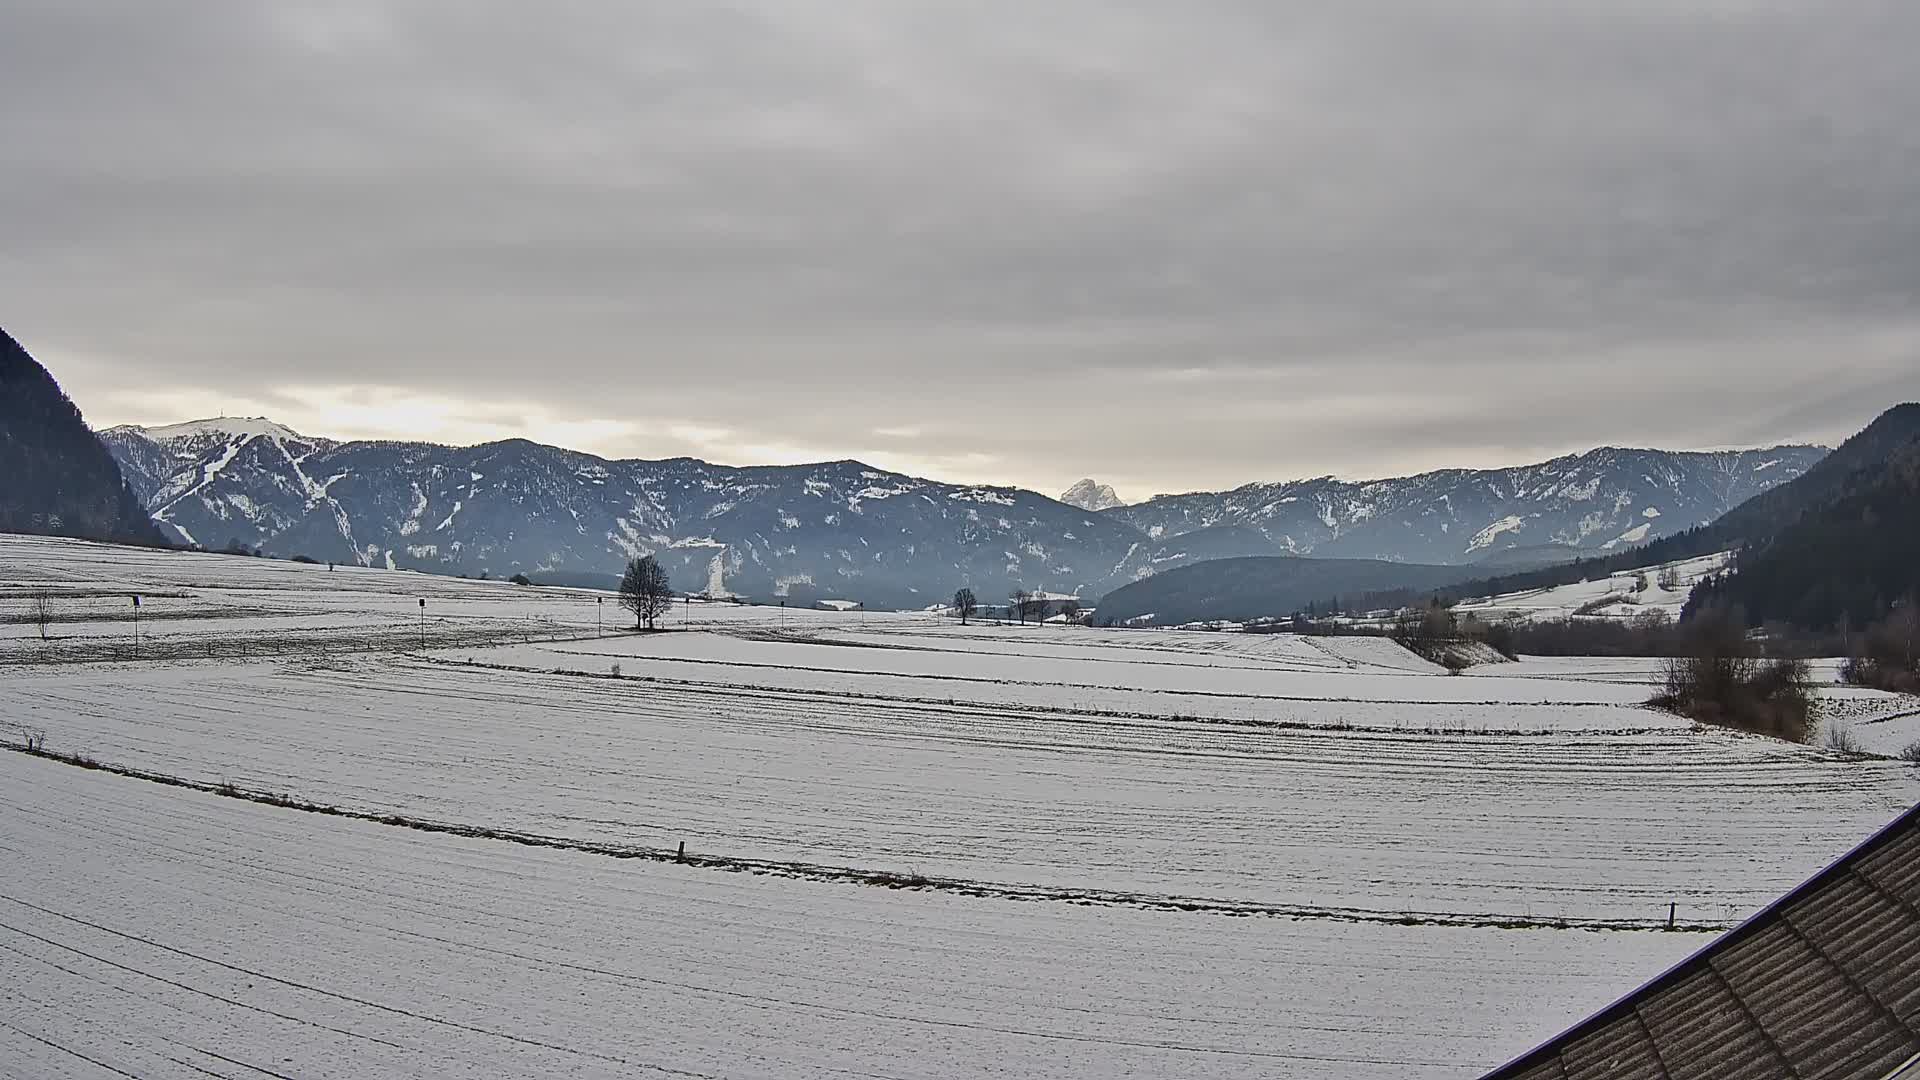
(520, 579)
(1840, 737)
(1425, 631)
(308, 559)
(1719, 680)
(1911, 753)
(1504, 638)
(1455, 662)
(1887, 655)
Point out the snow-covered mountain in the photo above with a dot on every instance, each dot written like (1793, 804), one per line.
(843, 529)
(835, 529)
(1088, 495)
(1597, 501)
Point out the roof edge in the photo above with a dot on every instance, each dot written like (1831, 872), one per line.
(1751, 925)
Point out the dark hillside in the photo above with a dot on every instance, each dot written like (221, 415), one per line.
(56, 478)
(1846, 563)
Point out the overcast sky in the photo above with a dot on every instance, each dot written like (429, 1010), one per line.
(1171, 246)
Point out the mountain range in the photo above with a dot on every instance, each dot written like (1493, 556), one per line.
(1829, 549)
(1601, 500)
(843, 529)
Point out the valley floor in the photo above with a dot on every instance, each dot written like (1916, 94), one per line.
(915, 849)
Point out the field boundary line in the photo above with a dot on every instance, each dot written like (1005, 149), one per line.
(877, 878)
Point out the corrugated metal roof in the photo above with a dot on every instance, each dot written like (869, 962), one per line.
(1825, 983)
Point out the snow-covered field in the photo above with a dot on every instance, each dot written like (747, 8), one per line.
(1154, 853)
(1618, 596)
(166, 934)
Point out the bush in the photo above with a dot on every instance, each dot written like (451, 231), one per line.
(520, 579)
(308, 559)
(1425, 631)
(1911, 753)
(1720, 680)
(1887, 655)
(1842, 739)
(1504, 638)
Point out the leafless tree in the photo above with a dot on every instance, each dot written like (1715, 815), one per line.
(645, 591)
(965, 604)
(1018, 600)
(42, 612)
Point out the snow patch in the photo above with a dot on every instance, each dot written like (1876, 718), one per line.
(1485, 537)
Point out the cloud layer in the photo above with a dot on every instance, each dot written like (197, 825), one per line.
(1173, 248)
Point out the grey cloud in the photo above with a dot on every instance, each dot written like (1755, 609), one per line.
(1171, 248)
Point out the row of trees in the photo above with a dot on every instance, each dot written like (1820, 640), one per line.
(1021, 604)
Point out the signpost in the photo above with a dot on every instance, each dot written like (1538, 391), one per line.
(423, 622)
(136, 626)
(599, 605)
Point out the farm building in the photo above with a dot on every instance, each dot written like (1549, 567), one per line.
(1823, 983)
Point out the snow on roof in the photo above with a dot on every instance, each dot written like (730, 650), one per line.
(837, 605)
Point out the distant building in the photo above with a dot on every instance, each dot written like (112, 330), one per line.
(1048, 605)
(838, 605)
(1824, 983)
(1041, 607)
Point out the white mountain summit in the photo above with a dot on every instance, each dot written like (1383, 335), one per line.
(1088, 495)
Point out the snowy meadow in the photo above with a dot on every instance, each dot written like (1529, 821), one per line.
(331, 831)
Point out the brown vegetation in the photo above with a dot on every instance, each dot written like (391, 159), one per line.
(1887, 655)
(1719, 678)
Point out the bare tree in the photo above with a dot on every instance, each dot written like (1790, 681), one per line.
(645, 591)
(42, 612)
(1018, 599)
(965, 605)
